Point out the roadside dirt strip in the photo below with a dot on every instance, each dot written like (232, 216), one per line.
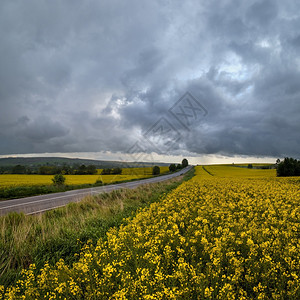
(42, 203)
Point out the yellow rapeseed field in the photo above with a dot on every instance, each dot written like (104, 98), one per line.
(233, 171)
(223, 236)
(140, 171)
(10, 180)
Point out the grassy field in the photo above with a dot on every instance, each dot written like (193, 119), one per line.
(224, 234)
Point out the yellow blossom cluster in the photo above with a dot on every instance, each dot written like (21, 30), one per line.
(214, 237)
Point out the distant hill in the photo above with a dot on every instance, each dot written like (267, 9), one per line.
(59, 161)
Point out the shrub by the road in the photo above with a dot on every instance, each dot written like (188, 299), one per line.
(156, 170)
(59, 179)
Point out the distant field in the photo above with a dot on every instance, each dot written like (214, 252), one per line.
(139, 171)
(253, 164)
(231, 171)
(12, 180)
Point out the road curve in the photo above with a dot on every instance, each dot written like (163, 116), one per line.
(42, 203)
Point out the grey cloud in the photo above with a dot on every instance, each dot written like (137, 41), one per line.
(296, 41)
(262, 13)
(95, 76)
(42, 129)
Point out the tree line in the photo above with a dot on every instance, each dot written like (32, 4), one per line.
(114, 171)
(288, 167)
(174, 167)
(50, 170)
(78, 169)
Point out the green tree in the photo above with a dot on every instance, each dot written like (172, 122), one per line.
(82, 170)
(116, 171)
(91, 169)
(66, 169)
(156, 170)
(179, 166)
(250, 166)
(19, 169)
(172, 167)
(184, 163)
(59, 179)
(106, 171)
(48, 170)
(288, 167)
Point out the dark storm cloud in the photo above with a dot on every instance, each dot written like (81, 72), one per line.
(95, 76)
(41, 130)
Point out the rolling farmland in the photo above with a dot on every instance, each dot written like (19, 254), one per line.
(224, 234)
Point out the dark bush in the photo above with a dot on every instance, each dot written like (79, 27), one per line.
(99, 182)
(179, 166)
(19, 169)
(172, 167)
(156, 170)
(59, 179)
(116, 171)
(106, 172)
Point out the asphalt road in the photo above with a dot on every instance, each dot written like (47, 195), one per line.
(42, 203)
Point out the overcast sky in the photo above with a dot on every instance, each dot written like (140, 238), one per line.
(109, 77)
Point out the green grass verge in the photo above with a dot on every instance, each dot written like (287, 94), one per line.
(28, 191)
